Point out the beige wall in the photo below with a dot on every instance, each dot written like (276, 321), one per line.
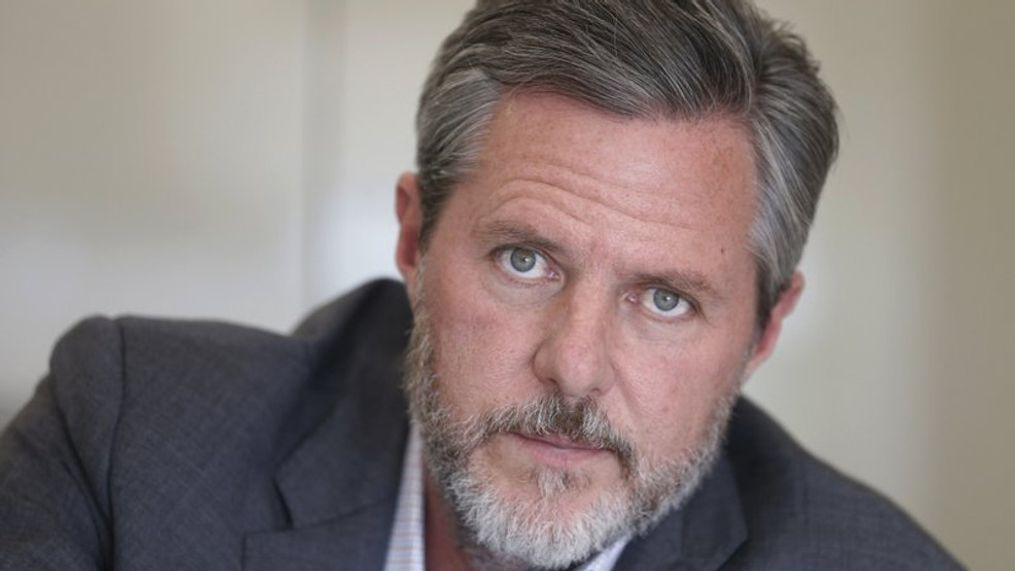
(150, 161)
(227, 158)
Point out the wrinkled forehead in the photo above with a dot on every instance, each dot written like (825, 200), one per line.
(677, 172)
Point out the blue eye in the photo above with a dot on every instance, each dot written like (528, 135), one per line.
(522, 260)
(523, 263)
(665, 303)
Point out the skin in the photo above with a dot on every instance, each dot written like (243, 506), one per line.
(616, 209)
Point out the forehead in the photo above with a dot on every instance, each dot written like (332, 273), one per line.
(647, 179)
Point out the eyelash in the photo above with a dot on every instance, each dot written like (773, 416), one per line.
(646, 298)
(502, 257)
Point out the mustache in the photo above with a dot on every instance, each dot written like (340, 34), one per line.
(581, 421)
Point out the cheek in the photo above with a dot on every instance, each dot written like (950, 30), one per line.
(670, 396)
(483, 350)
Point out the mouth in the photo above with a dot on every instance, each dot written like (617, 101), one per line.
(559, 441)
(557, 450)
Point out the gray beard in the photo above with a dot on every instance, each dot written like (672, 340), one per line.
(497, 533)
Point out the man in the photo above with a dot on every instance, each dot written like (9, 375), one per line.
(598, 250)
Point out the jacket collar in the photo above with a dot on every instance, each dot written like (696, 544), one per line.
(701, 535)
(339, 485)
(340, 490)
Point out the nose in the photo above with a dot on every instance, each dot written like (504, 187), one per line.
(574, 355)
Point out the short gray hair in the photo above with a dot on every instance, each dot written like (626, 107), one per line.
(680, 59)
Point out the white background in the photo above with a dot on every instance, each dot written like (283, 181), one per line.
(236, 159)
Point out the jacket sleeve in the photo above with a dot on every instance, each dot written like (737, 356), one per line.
(55, 458)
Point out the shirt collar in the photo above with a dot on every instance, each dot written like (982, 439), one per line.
(406, 548)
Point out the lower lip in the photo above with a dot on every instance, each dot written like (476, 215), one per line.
(556, 454)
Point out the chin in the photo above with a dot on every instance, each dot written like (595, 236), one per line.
(551, 518)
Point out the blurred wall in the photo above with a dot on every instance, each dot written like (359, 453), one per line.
(227, 159)
(150, 162)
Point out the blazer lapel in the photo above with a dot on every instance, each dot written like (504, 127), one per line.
(357, 541)
(700, 536)
(340, 485)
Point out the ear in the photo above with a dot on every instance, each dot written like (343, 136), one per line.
(765, 343)
(410, 222)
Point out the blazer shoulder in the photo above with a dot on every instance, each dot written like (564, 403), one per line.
(132, 411)
(159, 383)
(202, 356)
(207, 379)
(144, 426)
(803, 513)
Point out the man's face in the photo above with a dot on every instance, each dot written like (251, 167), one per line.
(590, 304)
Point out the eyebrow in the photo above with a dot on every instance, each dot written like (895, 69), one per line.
(517, 233)
(684, 281)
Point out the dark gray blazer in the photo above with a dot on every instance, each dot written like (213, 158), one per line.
(180, 445)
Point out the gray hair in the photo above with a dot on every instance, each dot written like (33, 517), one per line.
(679, 59)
